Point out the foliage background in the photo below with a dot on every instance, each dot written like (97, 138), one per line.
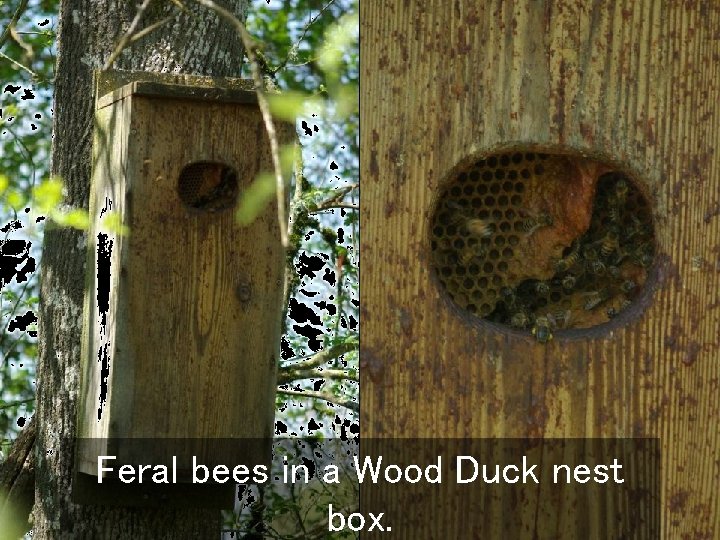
(308, 49)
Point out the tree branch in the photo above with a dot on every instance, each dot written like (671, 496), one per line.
(327, 206)
(337, 400)
(291, 277)
(17, 477)
(295, 46)
(297, 375)
(13, 21)
(320, 358)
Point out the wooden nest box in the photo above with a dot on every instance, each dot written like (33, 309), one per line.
(182, 311)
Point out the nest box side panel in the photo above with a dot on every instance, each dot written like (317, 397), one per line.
(102, 394)
(203, 293)
(631, 82)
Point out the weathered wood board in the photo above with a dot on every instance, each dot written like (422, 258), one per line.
(185, 347)
(634, 82)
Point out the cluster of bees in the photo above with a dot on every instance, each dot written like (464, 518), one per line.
(596, 277)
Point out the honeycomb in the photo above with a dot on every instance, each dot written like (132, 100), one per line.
(208, 186)
(542, 242)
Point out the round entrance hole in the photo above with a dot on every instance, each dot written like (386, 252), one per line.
(208, 185)
(542, 242)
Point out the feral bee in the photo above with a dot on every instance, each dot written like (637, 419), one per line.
(470, 253)
(508, 297)
(590, 254)
(520, 319)
(448, 254)
(454, 206)
(621, 191)
(614, 213)
(613, 271)
(568, 282)
(567, 262)
(597, 267)
(643, 255)
(480, 228)
(611, 312)
(609, 243)
(476, 227)
(530, 224)
(645, 260)
(542, 288)
(541, 330)
(559, 318)
(628, 285)
(625, 304)
(595, 298)
(620, 255)
(636, 228)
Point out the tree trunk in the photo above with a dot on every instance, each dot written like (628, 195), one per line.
(193, 42)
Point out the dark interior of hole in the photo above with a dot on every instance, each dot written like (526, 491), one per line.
(603, 270)
(208, 186)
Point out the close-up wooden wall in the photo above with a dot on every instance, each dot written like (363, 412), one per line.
(637, 83)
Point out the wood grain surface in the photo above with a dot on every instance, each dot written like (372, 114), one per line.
(637, 83)
(194, 317)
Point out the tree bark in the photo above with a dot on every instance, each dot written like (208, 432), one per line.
(193, 42)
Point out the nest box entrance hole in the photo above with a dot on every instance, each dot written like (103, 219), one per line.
(542, 242)
(208, 186)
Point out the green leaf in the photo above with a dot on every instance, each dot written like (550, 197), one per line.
(112, 222)
(347, 100)
(77, 219)
(4, 182)
(255, 198)
(47, 195)
(338, 40)
(287, 160)
(15, 199)
(287, 105)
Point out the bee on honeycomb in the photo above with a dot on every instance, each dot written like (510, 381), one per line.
(497, 221)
